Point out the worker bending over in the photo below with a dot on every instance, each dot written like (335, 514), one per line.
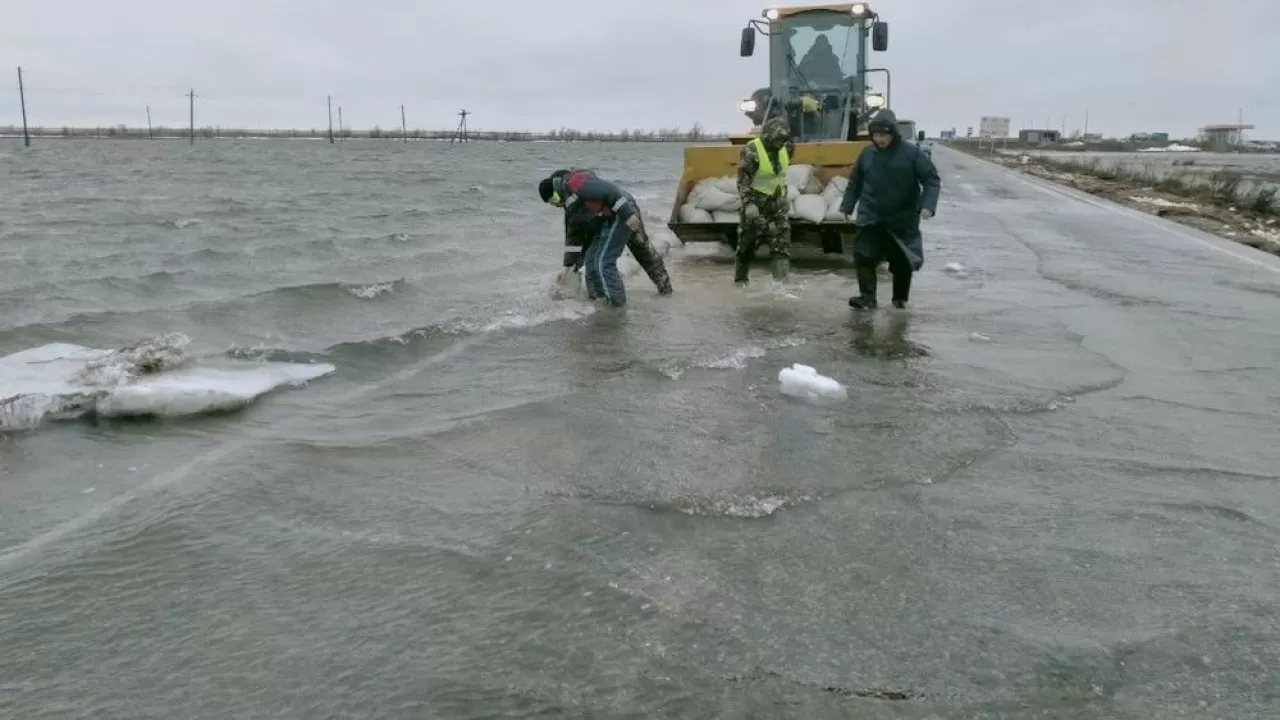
(620, 217)
(581, 226)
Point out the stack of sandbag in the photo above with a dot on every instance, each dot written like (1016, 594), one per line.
(716, 199)
(712, 200)
(833, 193)
(804, 189)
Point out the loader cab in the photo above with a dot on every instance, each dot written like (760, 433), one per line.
(817, 68)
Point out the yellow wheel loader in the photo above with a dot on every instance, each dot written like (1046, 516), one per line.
(818, 82)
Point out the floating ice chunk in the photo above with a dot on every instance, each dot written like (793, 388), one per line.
(804, 382)
(953, 267)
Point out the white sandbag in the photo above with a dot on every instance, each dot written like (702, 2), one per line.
(572, 286)
(792, 193)
(691, 213)
(799, 176)
(834, 201)
(834, 190)
(726, 184)
(722, 216)
(699, 189)
(804, 179)
(713, 199)
(810, 207)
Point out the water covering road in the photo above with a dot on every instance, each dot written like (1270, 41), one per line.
(1051, 493)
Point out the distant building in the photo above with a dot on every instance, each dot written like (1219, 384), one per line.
(993, 127)
(1039, 136)
(1223, 134)
(1150, 137)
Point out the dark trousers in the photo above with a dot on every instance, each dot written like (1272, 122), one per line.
(873, 245)
(600, 261)
(646, 255)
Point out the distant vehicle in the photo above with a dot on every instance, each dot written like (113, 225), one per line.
(818, 82)
(925, 147)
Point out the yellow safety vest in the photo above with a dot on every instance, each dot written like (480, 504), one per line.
(768, 180)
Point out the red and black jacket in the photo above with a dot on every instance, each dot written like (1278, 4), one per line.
(586, 198)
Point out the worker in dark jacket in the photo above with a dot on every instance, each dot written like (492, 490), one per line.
(581, 226)
(894, 186)
(620, 217)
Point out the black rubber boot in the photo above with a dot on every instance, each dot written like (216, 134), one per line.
(781, 268)
(901, 289)
(741, 269)
(866, 299)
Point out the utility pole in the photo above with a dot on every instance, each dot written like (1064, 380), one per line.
(404, 128)
(330, 119)
(150, 135)
(1086, 121)
(22, 97)
(340, 135)
(461, 133)
(191, 95)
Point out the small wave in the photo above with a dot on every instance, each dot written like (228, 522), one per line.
(152, 378)
(325, 292)
(463, 327)
(749, 507)
(356, 349)
(184, 223)
(734, 360)
(369, 292)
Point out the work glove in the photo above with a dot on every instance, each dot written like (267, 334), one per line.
(750, 211)
(926, 214)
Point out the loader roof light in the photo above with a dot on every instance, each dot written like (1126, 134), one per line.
(858, 10)
(771, 14)
(875, 100)
(748, 106)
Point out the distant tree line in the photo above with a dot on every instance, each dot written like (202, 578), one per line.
(564, 134)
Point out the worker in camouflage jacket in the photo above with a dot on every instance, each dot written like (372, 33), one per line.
(762, 188)
(581, 226)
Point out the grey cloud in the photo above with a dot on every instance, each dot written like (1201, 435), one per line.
(1136, 65)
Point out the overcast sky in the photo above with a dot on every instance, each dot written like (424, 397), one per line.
(1136, 65)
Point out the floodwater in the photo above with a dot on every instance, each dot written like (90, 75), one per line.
(1052, 491)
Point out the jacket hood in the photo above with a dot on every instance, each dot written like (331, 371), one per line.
(775, 133)
(884, 120)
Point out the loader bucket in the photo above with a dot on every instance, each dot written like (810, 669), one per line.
(829, 159)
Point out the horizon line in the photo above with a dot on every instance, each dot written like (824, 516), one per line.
(122, 131)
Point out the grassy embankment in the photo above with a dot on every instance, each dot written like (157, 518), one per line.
(1225, 202)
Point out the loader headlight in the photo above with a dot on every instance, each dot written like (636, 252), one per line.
(748, 106)
(875, 100)
(858, 10)
(771, 14)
